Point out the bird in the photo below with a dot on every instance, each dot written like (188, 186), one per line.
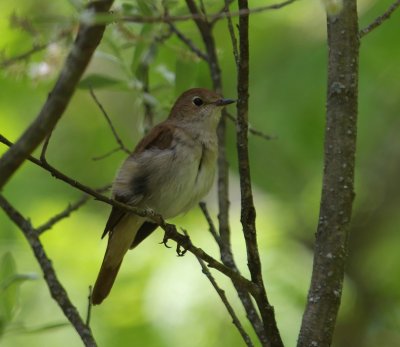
(170, 170)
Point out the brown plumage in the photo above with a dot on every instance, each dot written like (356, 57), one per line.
(169, 171)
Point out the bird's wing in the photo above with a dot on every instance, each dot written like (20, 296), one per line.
(159, 137)
(115, 216)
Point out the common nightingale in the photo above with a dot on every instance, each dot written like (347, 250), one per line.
(169, 171)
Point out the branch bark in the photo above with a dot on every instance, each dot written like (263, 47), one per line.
(205, 29)
(87, 40)
(381, 19)
(331, 245)
(248, 211)
(56, 289)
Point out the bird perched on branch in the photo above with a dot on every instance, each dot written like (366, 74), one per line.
(169, 171)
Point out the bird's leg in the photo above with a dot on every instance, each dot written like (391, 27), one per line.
(184, 244)
(183, 241)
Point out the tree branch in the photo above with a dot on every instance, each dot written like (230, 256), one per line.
(88, 38)
(109, 122)
(331, 245)
(381, 19)
(212, 228)
(188, 42)
(35, 49)
(248, 211)
(224, 299)
(56, 289)
(198, 16)
(67, 212)
(253, 131)
(205, 29)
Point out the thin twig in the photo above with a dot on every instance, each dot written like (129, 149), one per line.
(81, 52)
(109, 122)
(232, 32)
(380, 20)
(199, 16)
(253, 131)
(181, 239)
(106, 155)
(35, 49)
(223, 9)
(89, 307)
(227, 258)
(188, 42)
(67, 211)
(224, 299)
(212, 228)
(56, 289)
(248, 211)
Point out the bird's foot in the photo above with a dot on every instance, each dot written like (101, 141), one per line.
(183, 242)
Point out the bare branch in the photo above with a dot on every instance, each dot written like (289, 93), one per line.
(56, 289)
(109, 122)
(380, 20)
(232, 32)
(253, 131)
(188, 42)
(35, 49)
(67, 212)
(210, 222)
(248, 212)
(89, 306)
(205, 30)
(224, 299)
(198, 16)
(107, 154)
(88, 38)
(172, 233)
(223, 9)
(331, 245)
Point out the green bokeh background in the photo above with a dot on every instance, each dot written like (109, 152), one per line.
(160, 300)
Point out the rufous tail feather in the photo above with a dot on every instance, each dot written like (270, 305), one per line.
(119, 242)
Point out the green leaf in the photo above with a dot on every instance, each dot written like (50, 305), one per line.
(145, 8)
(101, 81)
(127, 8)
(140, 47)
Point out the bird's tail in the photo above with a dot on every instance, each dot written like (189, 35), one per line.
(119, 242)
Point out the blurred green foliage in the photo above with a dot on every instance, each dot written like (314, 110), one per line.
(160, 300)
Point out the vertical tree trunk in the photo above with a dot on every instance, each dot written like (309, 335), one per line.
(331, 246)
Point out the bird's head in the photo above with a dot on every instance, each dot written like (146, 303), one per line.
(199, 105)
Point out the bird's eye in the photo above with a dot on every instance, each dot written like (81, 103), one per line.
(197, 101)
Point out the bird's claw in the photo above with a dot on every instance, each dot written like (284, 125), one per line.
(183, 245)
(183, 242)
(165, 241)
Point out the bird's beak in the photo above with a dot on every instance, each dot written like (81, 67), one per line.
(224, 102)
